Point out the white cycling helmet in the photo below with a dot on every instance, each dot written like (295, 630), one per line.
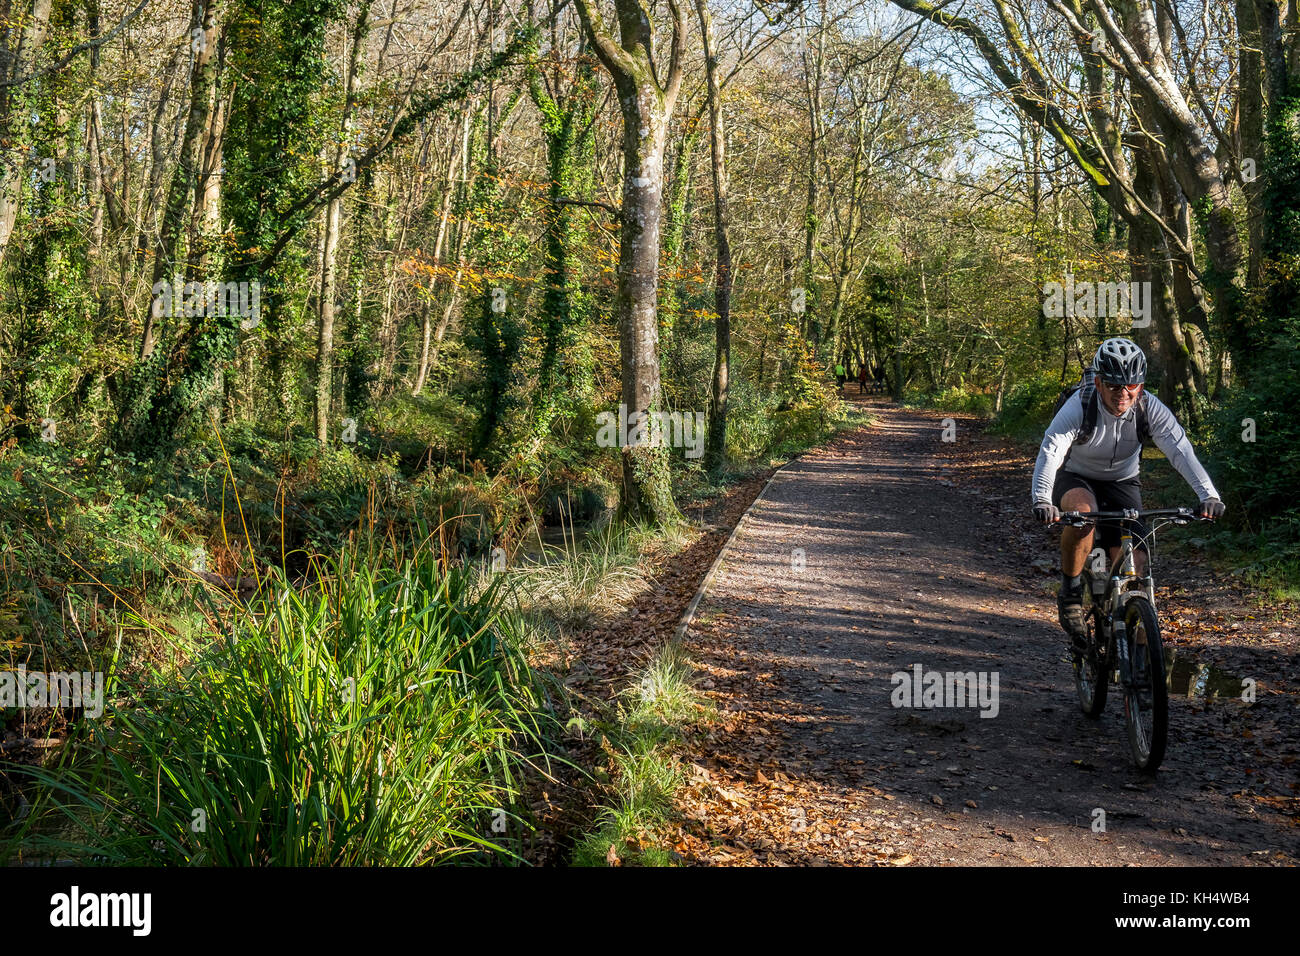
(1120, 362)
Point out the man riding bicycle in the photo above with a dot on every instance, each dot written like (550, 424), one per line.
(1089, 461)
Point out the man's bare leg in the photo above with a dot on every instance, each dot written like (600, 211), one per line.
(1076, 543)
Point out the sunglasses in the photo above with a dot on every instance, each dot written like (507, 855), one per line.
(1115, 389)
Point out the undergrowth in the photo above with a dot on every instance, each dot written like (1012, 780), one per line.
(645, 722)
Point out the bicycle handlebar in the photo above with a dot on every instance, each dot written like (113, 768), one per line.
(1130, 514)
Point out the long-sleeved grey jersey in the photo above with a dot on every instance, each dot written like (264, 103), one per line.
(1113, 453)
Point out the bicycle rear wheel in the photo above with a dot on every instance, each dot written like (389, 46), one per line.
(1146, 698)
(1091, 676)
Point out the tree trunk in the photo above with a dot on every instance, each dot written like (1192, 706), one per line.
(858, 180)
(205, 222)
(444, 218)
(182, 193)
(672, 305)
(147, 202)
(567, 125)
(17, 135)
(813, 90)
(715, 454)
(1250, 127)
(330, 242)
(646, 492)
(646, 107)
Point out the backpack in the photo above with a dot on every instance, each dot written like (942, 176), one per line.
(1090, 414)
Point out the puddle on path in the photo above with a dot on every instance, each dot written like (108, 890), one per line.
(1189, 677)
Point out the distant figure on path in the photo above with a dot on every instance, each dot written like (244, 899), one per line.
(839, 375)
(862, 380)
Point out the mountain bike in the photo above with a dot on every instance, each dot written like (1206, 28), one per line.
(1122, 628)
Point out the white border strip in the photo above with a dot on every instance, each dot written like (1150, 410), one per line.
(713, 569)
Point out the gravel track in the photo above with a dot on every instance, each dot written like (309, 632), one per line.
(916, 550)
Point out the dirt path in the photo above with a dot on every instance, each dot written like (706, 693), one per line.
(918, 551)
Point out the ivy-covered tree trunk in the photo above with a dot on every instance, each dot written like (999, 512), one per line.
(284, 46)
(495, 246)
(1282, 144)
(715, 452)
(15, 127)
(673, 299)
(183, 193)
(330, 240)
(47, 295)
(140, 425)
(568, 128)
(1250, 112)
(646, 106)
(1276, 325)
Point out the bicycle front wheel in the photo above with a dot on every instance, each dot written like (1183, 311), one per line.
(1146, 698)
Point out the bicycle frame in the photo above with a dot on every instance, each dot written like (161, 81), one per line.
(1122, 579)
(1123, 576)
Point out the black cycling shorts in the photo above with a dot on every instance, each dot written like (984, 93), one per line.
(1111, 496)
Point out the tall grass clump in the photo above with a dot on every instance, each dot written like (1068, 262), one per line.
(589, 581)
(650, 716)
(378, 716)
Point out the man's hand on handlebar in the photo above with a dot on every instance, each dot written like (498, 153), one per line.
(1210, 508)
(1046, 512)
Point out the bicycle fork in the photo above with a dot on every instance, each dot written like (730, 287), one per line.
(1121, 652)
